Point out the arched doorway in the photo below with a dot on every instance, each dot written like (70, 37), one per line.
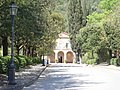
(70, 57)
(60, 57)
(52, 58)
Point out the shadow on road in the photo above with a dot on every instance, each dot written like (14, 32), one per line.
(59, 78)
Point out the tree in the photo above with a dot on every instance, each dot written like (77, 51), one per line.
(34, 22)
(111, 27)
(75, 20)
(97, 20)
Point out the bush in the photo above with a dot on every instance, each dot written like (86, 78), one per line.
(28, 60)
(113, 61)
(22, 61)
(5, 62)
(35, 60)
(19, 61)
(1, 70)
(16, 62)
(89, 59)
(118, 62)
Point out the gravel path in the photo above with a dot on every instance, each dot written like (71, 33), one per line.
(24, 77)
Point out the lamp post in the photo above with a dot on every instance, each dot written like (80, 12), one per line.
(11, 67)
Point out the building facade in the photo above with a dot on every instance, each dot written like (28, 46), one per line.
(63, 52)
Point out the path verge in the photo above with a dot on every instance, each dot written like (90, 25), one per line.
(25, 77)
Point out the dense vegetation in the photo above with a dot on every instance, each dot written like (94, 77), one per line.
(37, 26)
(20, 62)
(93, 26)
(101, 34)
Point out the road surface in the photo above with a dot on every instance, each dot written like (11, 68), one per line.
(76, 77)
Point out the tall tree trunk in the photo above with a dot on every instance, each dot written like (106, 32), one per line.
(5, 45)
(24, 51)
(92, 54)
(32, 51)
(117, 56)
(110, 55)
(17, 48)
(28, 51)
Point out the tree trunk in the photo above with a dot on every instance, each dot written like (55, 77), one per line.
(5, 45)
(28, 51)
(24, 50)
(117, 56)
(110, 55)
(92, 54)
(17, 48)
(32, 51)
(34, 54)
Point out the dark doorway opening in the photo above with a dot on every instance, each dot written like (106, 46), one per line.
(60, 59)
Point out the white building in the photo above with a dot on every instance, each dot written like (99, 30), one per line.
(63, 52)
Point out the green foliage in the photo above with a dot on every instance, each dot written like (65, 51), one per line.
(96, 17)
(19, 61)
(17, 64)
(101, 32)
(112, 30)
(22, 61)
(34, 24)
(88, 58)
(118, 62)
(5, 61)
(113, 61)
(75, 20)
(28, 60)
(1, 66)
(91, 61)
(91, 37)
(36, 60)
(103, 55)
(107, 4)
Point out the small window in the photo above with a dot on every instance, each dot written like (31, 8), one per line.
(67, 45)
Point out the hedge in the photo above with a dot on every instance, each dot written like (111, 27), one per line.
(19, 61)
(115, 61)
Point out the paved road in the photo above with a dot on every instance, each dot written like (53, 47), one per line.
(77, 77)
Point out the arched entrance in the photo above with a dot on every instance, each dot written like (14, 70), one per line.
(52, 58)
(60, 57)
(70, 57)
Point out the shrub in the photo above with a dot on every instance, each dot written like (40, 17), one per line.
(28, 60)
(5, 62)
(89, 59)
(16, 62)
(118, 62)
(35, 60)
(1, 70)
(22, 61)
(113, 61)
(19, 61)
